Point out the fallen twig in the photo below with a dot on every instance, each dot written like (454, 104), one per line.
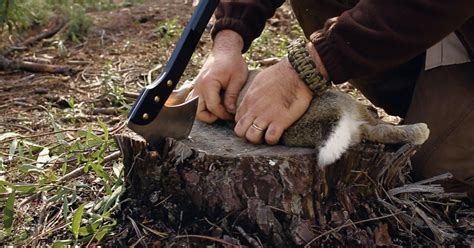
(444, 176)
(346, 225)
(249, 239)
(59, 23)
(8, 64)
(137, 231)
(208, 238)
(129, 94)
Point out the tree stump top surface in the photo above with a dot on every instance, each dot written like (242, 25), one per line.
(220, 140)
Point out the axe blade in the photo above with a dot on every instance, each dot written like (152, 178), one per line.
(173, 121)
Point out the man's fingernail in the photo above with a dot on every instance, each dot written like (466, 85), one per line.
(232, 108)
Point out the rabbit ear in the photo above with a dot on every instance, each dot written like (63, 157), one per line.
(345, 133)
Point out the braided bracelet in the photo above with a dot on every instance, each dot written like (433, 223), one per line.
(303, 64)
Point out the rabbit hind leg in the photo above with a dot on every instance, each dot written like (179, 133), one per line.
(415, 134)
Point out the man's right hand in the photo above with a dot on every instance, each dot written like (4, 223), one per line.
(224, 69)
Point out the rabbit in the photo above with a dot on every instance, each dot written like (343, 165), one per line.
(333, 122)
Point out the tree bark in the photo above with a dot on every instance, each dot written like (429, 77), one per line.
(275, 193)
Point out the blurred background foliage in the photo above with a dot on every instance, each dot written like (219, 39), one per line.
(19, 16)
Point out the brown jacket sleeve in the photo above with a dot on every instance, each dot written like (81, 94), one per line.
(246, 17)
(379, 34)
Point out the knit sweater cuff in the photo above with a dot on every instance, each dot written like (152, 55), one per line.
(235, 25)
(333, 60)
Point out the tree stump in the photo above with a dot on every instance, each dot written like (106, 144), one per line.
(275, 194)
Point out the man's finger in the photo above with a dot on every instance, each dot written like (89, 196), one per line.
(242, 110)
(213, 102)
(232, 93)
(256, 131)
(274, 132)
(243, 125)
(203, 115)
(206, 117)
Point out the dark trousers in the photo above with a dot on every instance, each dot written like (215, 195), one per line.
(443, 98)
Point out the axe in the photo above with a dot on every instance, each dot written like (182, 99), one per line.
(151, 116)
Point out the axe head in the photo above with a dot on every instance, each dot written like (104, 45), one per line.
(150, 116)
(174, 120)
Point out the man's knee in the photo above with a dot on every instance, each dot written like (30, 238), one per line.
(444, 99)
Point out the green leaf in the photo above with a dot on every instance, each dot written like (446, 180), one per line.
(86, 230)
(8, 213)
(105, 129)
(26, 168)
(117, 169)
(32, 144)
(4, 182)
(100, 234)
(104, 230)
(64, 168)
(112, 200)
(3, 189)
(70, 102)
(76, 221)
(43, 158)
(65, 207)
(8, 135)
(61, 243)
(2, 165)
(99, 170)
(56, 196)
(25, 188)
(13, 147)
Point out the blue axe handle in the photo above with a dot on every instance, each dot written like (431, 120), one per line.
(153, 97)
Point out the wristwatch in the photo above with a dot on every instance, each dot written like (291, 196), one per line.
(307, 71)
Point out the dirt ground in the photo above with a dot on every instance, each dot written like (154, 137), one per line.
(56, 148)
(123, 47)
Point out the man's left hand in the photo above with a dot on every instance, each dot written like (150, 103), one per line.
(275, 100)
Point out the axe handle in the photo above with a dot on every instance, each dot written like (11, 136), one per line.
(153, 97)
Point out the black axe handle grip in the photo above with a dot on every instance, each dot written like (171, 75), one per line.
(153, 97)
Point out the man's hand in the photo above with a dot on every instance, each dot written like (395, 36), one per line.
(275, 100)
(224, 69)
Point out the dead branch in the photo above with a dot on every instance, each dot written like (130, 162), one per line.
(8, 64)
(58, 24)
(208, 238)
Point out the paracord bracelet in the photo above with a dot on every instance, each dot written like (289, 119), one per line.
(303, 64)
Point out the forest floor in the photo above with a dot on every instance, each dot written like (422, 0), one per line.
(61, 173)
